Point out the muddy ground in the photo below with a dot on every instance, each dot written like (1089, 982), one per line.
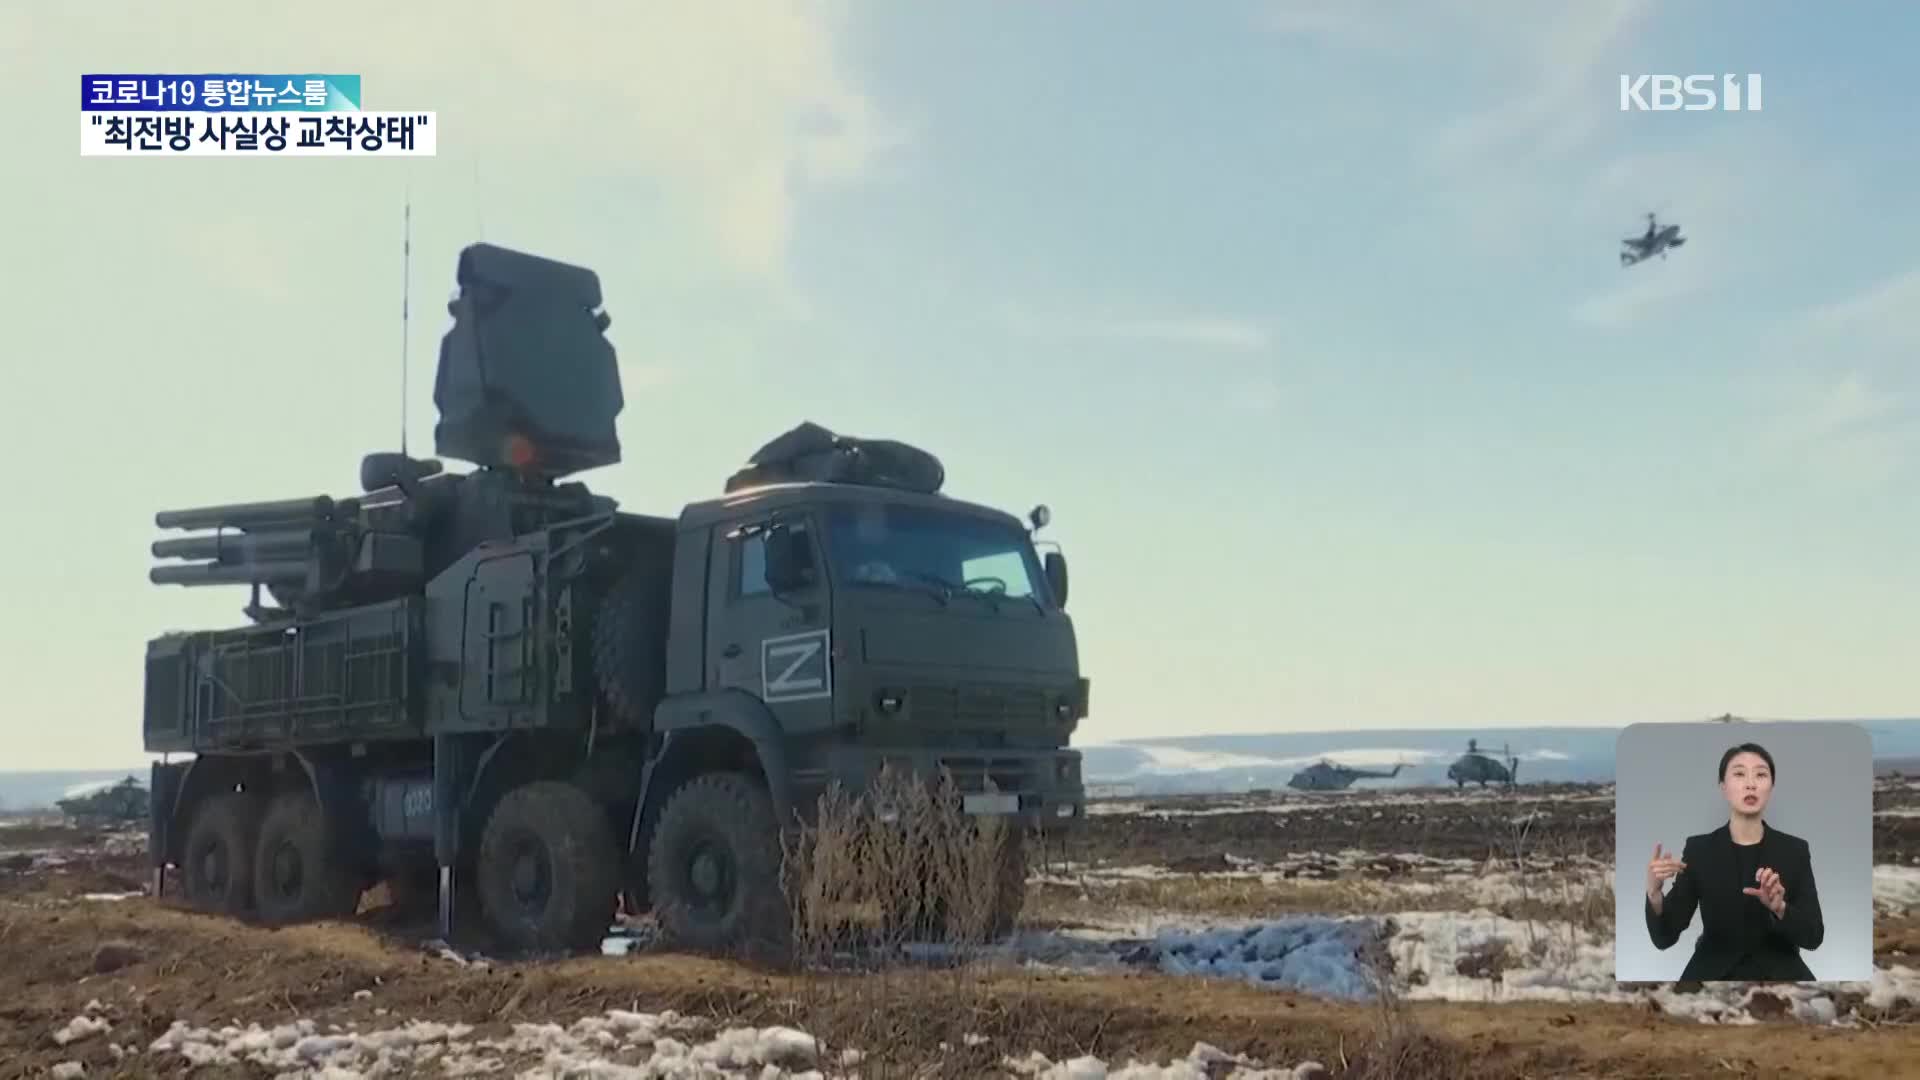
(69, 949)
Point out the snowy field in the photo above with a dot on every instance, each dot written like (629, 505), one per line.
(1308, 893)
(1443, 922)
(1437, 956)
(618, 1044)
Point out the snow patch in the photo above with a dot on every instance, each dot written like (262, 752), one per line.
(453, 956)
(1317, 954)
(1204, 1062)
(300, 1048)
(1896, 888)
(618, 1044)
(1444, 956)
(81, 1027)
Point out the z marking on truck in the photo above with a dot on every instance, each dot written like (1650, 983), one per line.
(794, 667)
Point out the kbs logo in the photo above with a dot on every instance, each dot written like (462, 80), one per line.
(1693, 93)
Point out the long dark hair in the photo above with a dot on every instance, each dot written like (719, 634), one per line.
(1747, 748)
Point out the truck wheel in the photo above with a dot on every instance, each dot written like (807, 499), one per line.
(548, 872)
(630, 645)
(713, 869)
(298, 869)
(216, 863)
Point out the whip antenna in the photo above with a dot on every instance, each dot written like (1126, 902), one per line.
(406, 282)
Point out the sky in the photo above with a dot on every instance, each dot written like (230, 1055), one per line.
(1305, 319)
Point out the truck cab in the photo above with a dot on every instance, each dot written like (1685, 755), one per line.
(882, 625)
(821, 633)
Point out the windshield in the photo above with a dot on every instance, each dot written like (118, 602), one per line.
(916, 548)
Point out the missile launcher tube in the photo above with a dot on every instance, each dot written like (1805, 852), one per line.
(237, 547)
(266, 573)
(252, 515)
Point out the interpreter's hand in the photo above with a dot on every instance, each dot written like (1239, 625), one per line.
(1661, 867)
(1771, 892)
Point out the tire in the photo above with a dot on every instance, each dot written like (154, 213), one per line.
(216, 862)
(630, 645)
(548, 873)
(300, 872)
(713, 869)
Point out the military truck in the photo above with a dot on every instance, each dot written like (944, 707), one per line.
(500, 682)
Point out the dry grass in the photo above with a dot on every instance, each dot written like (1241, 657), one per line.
(1233, 897)
(893, 864)
(875, 875)
(1559, 911)
(1548, 898)
(881, 876)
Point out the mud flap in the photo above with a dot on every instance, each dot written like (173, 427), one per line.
(163, 788)
(449, 782)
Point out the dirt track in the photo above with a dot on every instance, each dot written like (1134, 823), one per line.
(165, 965)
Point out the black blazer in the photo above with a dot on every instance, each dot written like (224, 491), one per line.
(1739, 938)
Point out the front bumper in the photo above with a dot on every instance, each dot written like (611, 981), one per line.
(1040, 789)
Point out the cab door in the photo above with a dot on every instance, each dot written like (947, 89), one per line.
(776, 645)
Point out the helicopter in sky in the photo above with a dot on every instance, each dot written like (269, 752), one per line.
(1657, 240)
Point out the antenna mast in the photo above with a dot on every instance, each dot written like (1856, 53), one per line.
(406, 282)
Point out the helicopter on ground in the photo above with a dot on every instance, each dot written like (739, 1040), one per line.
(1657, 240)
(1476, 767)
(119, 804)
(1326, 776)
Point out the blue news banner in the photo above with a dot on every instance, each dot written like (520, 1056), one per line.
(299, 115)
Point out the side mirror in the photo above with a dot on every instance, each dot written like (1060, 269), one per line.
(1056, 566)
(789, 558)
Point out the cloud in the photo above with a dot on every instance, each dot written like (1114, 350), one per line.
(1558, 58)
(1260, 397)
(1564, 57)
(1840, 401)
(1653, 285)
(1887, 313)
(1335, 21)
(1501, 105)
(1814, 411)
(1206, 332)
(1846, 432)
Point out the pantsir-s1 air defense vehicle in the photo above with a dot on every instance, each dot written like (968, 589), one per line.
(500, 682)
